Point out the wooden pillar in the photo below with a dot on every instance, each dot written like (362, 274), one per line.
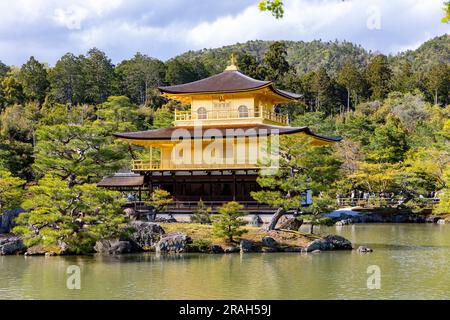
(234, 185)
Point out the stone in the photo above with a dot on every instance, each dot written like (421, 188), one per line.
(113, 247)
(146, 235)
(256, 221)
(286, 223)
(330, 243)
(216, 249)
(231, 249)
(50, 254)
(441, 221)
(37, 250)
(10, 245)
(174, 242)
(316, 252)
(432, 219)
(345, 222)
(269, 242)
(7, 220)
(131, 213)
(246, 246)
(363, 249)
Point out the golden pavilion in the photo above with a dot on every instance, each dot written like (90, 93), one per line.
(213, 151)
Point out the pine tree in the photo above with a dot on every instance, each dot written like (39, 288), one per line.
(99, 73)
(352, 80)
(68, 79)
(438, 82)
(77, 216)
(202, 214)
(11, 191)
(303, 166)
(379, 76)
(275, 61)
(228, 223)
(34, 80)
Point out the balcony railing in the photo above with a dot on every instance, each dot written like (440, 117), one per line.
(156, 165)
(223, 114)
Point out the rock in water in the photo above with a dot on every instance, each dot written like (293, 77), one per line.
(113, 247)
(286, 223)
(11, 245)
(269, 242)
(330, 243)
(246, 246)
(363, 249)
(146, 235)
(174, 242)
(432, 219)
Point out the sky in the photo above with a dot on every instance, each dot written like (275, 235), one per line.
(47, 29)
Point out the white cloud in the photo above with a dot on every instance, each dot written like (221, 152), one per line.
(50, 28)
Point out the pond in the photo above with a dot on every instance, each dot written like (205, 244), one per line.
(413, 260)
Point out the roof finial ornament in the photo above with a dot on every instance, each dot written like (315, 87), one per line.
(233, 63)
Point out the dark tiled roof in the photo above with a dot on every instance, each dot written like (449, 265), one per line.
(227, 81)
(122, 182)
(225, 131)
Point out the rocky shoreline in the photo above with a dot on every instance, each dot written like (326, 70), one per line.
(151, 237)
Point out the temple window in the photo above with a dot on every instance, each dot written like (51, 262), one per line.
(202, 114)
(243, 112)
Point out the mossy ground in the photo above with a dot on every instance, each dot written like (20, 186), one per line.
(199, 232)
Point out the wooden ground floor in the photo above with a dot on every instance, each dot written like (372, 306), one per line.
(214, 188)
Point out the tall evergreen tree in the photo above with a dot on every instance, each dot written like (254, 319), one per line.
(276, 62)
(379, 75)
(68, 79)
(438, 83)
(352, 80)
(99, 74)
(34, 79)
(324, 89)
(139, 77)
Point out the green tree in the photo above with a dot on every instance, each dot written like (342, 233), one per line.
(228, 224)
(201, 214)
(99, 76)
(379, 75)
(352, 80)
(438, 82)
(11, 191)
(4, 69)
(273, 6)
(77, 216)
(314, 214)
(249, 65)
(77, 153)
(163, 117)
(160, 200)
(324, 90)
(276, 62)
(140, 76)
(34, 79)
(68, 80)
(11, 92)
(180, 71)
(302, 166)
(404, 80)
(389, 142)
(446, 18)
